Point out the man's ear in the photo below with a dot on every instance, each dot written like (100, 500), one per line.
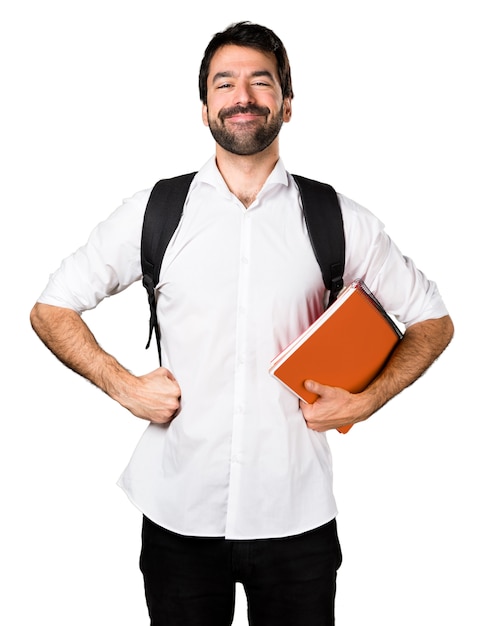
(204, 114)
(287, 110)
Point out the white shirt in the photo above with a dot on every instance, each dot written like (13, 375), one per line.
(236, 286)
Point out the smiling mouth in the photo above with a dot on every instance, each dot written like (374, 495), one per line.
(243, 118)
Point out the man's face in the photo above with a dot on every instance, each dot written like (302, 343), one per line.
(245, 108)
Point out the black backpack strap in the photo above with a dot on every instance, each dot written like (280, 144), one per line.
(162, 216)
(324, 221)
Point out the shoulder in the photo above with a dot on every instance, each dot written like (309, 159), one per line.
(352, 210)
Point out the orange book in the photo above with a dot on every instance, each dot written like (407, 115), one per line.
(347, 346)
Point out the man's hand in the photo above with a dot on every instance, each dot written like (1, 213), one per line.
(333, 408)
(155, 396)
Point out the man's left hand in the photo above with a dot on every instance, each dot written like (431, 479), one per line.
(333, 408)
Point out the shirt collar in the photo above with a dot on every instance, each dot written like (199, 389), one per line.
(210, 175)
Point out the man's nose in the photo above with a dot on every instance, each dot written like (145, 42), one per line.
(244, 94)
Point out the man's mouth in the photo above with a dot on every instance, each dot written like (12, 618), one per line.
(243, 117)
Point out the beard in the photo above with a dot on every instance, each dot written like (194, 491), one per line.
(248, 137)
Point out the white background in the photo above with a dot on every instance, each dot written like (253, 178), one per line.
(99, 100)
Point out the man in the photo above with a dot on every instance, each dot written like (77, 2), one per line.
(233, 474)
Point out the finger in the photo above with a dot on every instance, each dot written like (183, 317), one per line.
(173, 385)
(164, 372)
(169, 375)
(315, 387)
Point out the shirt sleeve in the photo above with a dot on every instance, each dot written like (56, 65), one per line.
(402, 289)
(107, 264)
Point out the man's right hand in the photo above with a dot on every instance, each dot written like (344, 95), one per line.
(155, 397)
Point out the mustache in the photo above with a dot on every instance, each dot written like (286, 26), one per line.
(252, 109)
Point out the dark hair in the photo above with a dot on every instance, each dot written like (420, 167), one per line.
(248, 35)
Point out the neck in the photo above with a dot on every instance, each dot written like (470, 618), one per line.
(246, 175)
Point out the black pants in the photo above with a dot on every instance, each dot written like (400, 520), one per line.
(190, 581)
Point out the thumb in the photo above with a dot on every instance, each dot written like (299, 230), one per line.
(163, 371)
(315, 387)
